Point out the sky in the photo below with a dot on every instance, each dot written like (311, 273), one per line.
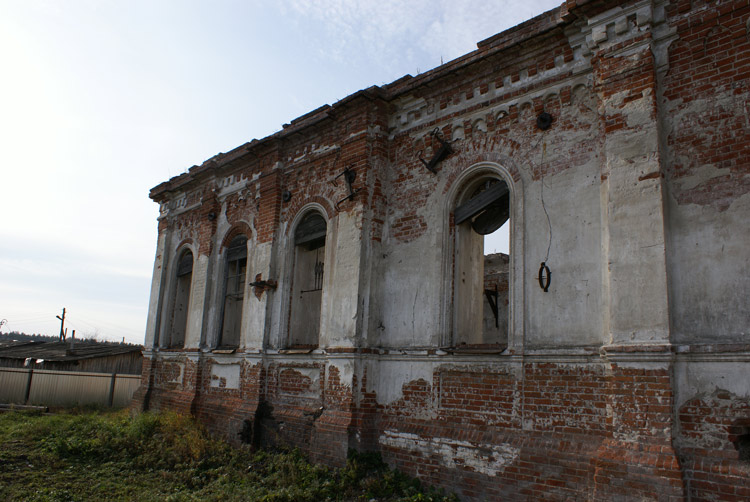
(102, 100)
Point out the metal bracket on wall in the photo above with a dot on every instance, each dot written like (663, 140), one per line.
(349, 176)
(444, 150)
(261, 285)
(545, 276)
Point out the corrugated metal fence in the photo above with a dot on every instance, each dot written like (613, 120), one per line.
(66, 388)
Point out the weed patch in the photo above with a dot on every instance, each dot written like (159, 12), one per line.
(99, 455)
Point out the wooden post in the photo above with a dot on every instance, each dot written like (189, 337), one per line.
(62, 325)
(28, 386)
(111, 399)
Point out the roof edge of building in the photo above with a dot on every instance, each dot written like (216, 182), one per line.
(497, 43)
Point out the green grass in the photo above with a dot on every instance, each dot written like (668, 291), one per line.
(94, 455)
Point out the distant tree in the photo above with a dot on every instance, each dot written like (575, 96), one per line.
(17, 336)
(23, 337)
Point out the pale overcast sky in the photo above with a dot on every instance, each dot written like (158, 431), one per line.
(102, 100)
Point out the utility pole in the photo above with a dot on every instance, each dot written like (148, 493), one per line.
(62, 325)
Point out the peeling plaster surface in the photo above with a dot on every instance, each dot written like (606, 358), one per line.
(484, 459)
(575, 249)
(393, 375)
(410, 311)
(312, 375)
(345, 370)
(709, 268)
(258, 262)
(225, 376)
(707, 378)
(700, 175)
(340, 306)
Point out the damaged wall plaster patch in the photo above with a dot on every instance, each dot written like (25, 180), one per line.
(225, 376)
(488, 460)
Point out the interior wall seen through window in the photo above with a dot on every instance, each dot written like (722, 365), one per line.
(481, 296)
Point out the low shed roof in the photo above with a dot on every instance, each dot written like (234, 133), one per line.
(60, 351)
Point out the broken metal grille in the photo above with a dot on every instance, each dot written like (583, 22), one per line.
(318, 275)
(318, 278)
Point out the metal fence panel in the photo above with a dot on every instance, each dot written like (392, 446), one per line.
(57, 388)
(66, 388)
(13, 385)
(125, 387)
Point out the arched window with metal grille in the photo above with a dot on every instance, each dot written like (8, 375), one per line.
(307, 281)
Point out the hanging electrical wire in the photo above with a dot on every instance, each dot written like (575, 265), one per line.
(544, 207)
(544, 121)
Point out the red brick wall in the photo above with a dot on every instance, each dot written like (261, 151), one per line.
(706, 100)
(589, 430)
(550, 419)
(559, 418)
(710, 60)
(580, 424)
(711, 428)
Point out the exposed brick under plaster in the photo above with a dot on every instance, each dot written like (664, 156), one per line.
(588, 430)
(626, 381)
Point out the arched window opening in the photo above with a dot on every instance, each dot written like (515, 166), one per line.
(181, 302)
(481, 292)
(234, 291)
(307, 281)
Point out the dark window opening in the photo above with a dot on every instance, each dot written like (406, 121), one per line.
(234, 292)
(742, 444)
(307, 281)
(181, 301)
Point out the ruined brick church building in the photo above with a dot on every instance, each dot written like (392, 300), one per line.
(328, 286)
